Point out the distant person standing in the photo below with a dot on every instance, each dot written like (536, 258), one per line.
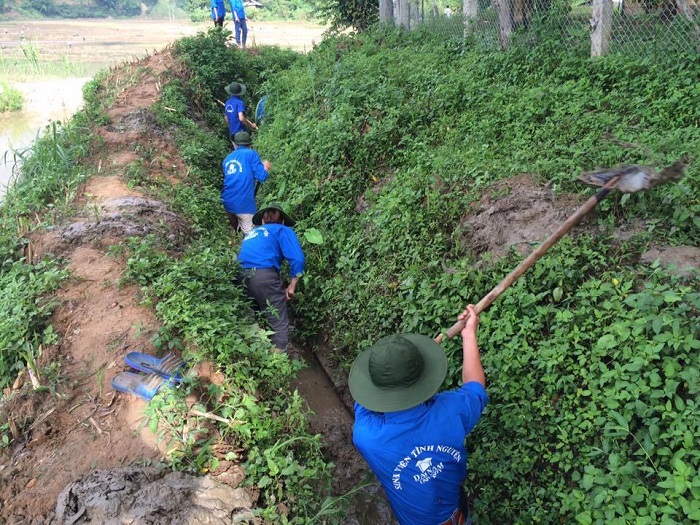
(448, 11)
(240, 22)
(243, 170)
(234, 110)
(218, 12)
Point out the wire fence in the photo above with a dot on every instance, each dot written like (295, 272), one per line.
(640, 28)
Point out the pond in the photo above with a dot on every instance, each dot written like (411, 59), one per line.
(44, 102)
(35, 54)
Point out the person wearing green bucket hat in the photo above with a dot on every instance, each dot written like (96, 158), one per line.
(262, 251)
(412, 437)
(244, 171)
(234, 110)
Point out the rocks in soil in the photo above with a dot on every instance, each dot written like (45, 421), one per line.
(153, 496)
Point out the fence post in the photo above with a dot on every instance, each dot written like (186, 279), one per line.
(505, 21)
(601, 27)
(405, 13)
(386, 11)
(470, 8)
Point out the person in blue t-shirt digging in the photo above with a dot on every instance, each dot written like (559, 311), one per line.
(218, 12)
(411, 437)
(243, 171)
(262, 252)
(234, 110)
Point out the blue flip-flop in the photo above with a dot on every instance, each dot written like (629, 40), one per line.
(143, 386)
(168, 366)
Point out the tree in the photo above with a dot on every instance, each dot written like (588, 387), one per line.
(357, 14)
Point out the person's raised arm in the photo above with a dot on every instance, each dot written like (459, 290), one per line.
(244, 120)
(471, 360)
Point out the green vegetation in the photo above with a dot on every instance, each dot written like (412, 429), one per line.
(385, 143)
(43, 195)
(10, 98)
(30, 64)
(592, 358)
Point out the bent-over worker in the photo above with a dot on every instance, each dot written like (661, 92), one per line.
(243, 170)
(411, 436)
(262, 251)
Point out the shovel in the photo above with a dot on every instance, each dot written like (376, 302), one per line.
(627, 179)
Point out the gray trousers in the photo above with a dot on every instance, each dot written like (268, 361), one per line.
(265, 287)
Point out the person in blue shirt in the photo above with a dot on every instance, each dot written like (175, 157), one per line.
(234, 110)
(243, 170)
(218, 12)
(411, 437)
(261, 255)
(239, 22)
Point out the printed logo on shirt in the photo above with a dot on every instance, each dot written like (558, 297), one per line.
(424, 463)
(233, 166)
(252, 234)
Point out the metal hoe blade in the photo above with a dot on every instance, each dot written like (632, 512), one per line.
(628, 179)
(633, 178)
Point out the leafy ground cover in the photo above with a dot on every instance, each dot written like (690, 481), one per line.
(386, 143)
(10, 98)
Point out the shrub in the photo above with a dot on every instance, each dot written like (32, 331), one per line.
(10, 98)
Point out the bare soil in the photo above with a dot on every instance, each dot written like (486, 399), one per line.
(85, 425)
(106, 42)
(63, 435)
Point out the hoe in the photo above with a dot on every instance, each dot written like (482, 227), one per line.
(627, 179)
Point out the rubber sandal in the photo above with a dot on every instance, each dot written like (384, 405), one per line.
(143, 386)
(168, 366)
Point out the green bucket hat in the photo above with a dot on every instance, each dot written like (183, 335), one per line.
(235, 89)
(242, 138)
(257, 218)
(398, 372)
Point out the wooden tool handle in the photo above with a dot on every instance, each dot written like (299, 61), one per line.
(536, 255)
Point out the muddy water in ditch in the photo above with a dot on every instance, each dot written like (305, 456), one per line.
(331, 419)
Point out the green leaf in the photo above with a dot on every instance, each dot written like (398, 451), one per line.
(272, 466)
(264, 482)
(557, 294)
(313, 236)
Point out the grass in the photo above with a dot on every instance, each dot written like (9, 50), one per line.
(10, 98)
(28, 63)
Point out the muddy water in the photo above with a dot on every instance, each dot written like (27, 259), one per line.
(331, 419)
(44, 102)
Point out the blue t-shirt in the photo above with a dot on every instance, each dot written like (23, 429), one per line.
(233, 107)
(242, 167)
(220, 8)
(237, 7)
(418, 454)
(268, 245)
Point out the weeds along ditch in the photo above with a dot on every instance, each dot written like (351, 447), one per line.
(385, 143)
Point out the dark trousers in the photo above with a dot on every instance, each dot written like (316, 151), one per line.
(219, 22)
(265, 287)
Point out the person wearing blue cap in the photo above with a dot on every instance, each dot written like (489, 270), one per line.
(262, 251)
